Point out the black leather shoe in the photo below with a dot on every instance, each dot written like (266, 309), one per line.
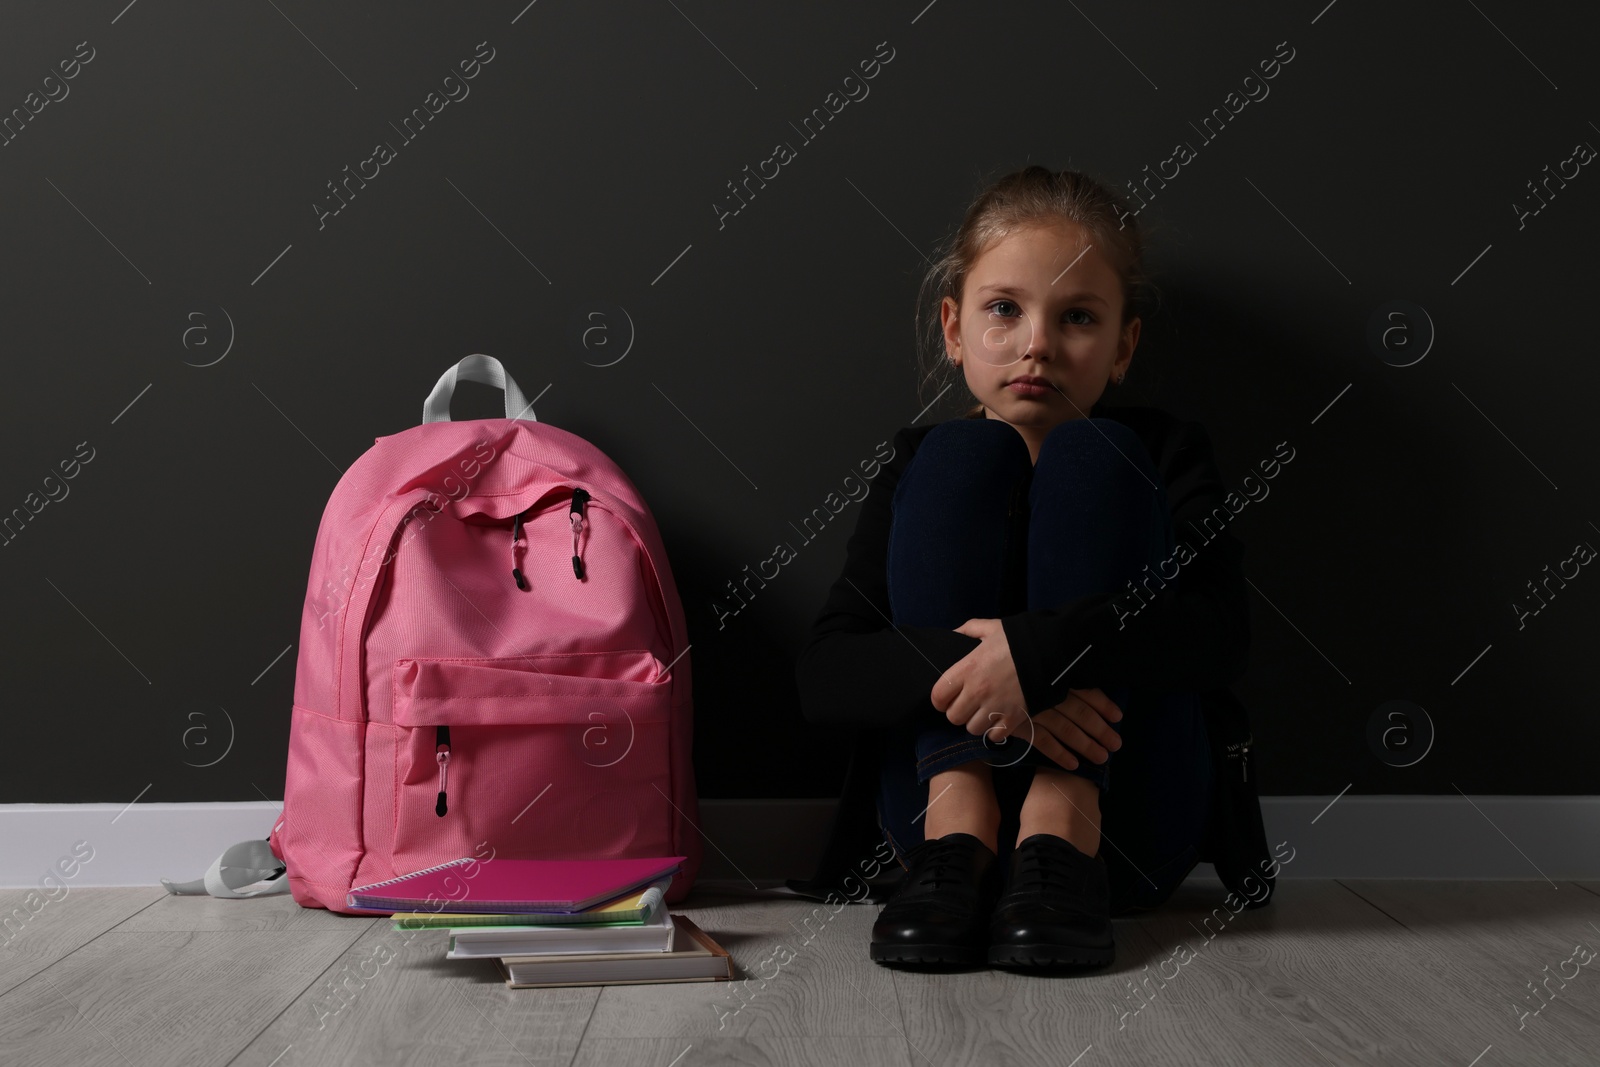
(940, 911)
(1056, 908)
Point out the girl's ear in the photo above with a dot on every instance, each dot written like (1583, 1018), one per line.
(1129, 340)
(950, 320)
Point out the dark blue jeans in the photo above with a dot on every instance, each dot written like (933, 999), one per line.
(980, 532)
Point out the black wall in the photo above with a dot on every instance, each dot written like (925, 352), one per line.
(167, 206)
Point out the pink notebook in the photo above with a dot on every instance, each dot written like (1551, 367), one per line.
(512, 886)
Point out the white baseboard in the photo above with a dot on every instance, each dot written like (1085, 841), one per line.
(1379, 836)
(766, 841)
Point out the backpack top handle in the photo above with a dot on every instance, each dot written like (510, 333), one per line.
(476, 368)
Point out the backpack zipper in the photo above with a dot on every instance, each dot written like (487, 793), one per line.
(516, 538)
(442, 755)
(576, 515)
(579, 497)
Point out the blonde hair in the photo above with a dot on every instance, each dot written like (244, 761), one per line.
(1032, 196)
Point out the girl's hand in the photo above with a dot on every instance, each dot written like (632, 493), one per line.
(1082, 722)
(981, 691)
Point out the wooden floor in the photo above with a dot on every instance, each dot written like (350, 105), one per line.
(1359, 972)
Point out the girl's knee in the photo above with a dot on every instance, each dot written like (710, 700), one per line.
(1107, 443)
(992, 440)
(1074, 432)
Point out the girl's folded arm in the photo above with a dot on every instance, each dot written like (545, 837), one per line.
(1192, 636)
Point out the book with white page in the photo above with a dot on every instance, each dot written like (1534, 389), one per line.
(482, 942)
(695, 957)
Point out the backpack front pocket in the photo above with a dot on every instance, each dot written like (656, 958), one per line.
(550, 756)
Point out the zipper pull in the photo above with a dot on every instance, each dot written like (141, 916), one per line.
(516, 538)
(579, 496)
(442, 755)
(1240, 750)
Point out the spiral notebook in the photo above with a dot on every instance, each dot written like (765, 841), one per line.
(512, 886)
(630, 909)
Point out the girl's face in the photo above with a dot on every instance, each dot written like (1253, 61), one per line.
(1038, 332)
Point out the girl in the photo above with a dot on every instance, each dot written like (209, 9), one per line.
(1029, 556)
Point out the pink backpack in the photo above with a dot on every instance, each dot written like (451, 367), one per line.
(492, 662)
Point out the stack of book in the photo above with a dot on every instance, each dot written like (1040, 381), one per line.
(556, 922)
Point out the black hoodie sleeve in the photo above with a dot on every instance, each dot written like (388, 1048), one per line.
(1192, 636)
(857, 668)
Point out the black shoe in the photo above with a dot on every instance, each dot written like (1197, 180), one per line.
(940, 911)
(1056, 909)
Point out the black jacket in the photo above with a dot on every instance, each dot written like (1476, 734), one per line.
(859, 672)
